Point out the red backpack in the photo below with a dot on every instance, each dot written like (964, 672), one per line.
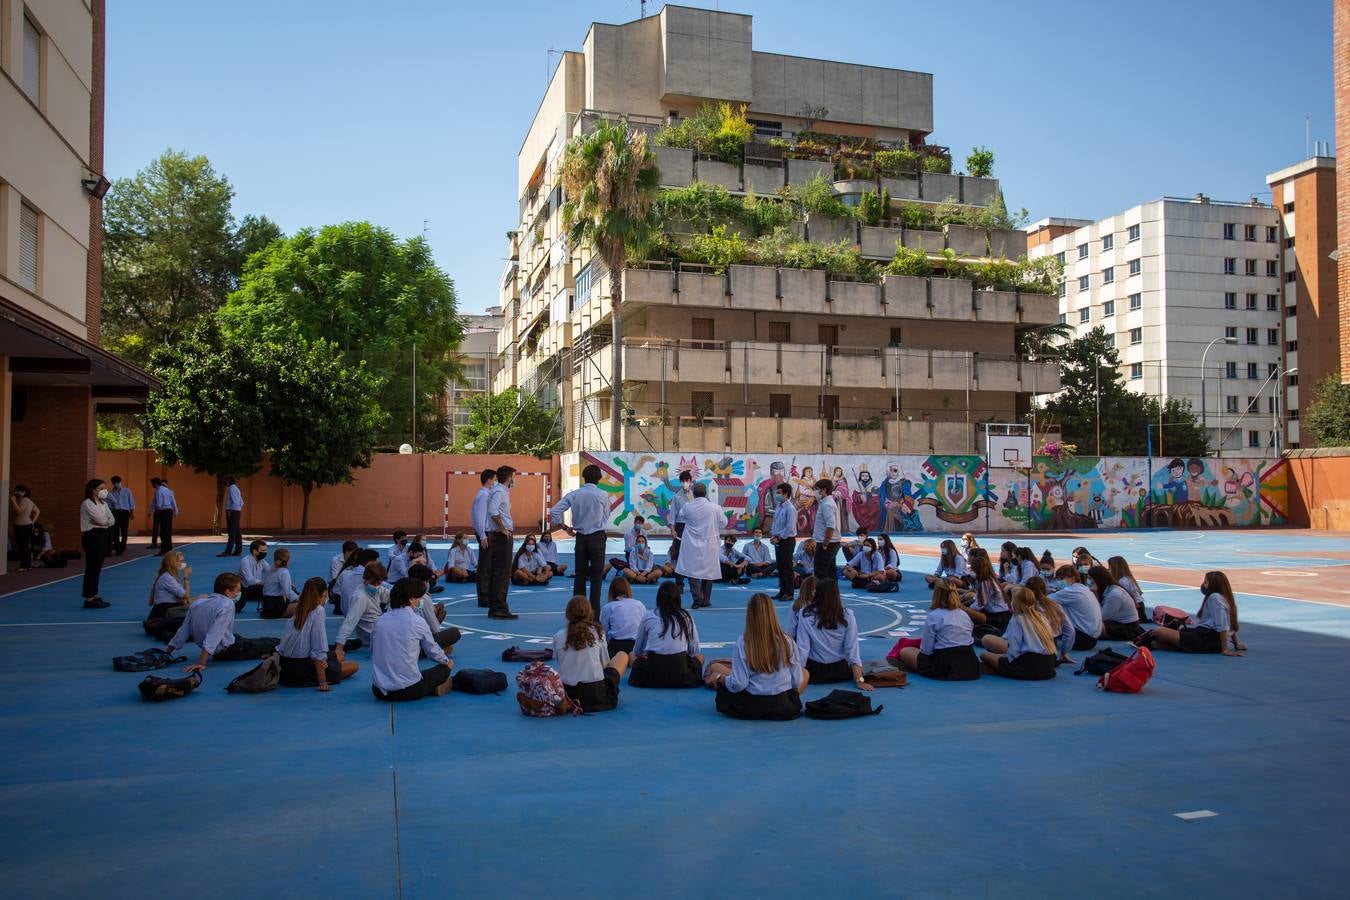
(1130, 676)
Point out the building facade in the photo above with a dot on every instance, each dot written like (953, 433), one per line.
(1176, 283)
(1341, 54)
(1305, 196)
(53, 373)
(744, 356)
(478, 355)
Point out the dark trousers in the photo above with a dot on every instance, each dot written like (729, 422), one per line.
(164, 519)
(499, 576)
(700, 591)
(234, 536)
(826, 554)
(675, 551)
(94, 543)
(782, 554)
(589, 566)
(23, 542)
(431, 679)
(121, 529)
(247, 648)
(154, 529)
(484, 572)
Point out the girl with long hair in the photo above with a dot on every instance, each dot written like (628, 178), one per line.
(666, 654)
(1056, 616)
(642, 567)
(1211, 630)
(279, 595)
(766, 678)
(530, 566)
(946, 649)
(1120, 570)
(890, 557)
(1028, 648)
(866, 565)
(951, 564)
(171, 585)
(306, 660)
(1120, 619)
(804, 559)
(621, 616)
(987, 605)
(827, 639)
(461, 561)
(589, 674)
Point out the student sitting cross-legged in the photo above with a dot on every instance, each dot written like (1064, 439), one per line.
(1212, 630)
(1027, 650)
(766, 678)
(210, 625)
(733, 562)
(399, 637)
(759, 556)
(946, 651)
(804, 559)
(278, 594)
(172, 583)
(642, 568)
(890, 557)
(1120, 618)
(364, 606)
(827, 639)
(433, 612)
(950, 565)
(1080, 605)
(350, 579)
(590, 676)
(986, 604)
(867, 565)
(550, 551)
(461, 563)
(306, 660)
(630, 537)
(621, 616)
(529, 566)
(666, 654)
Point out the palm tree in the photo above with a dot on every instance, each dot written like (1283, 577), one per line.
(610, 180)
(1041, 343)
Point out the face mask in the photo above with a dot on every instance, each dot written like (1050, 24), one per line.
(1083, 570)
(1045, 573)
(546, 540)
(417, 603)
(529, 547)
(102, 493)
(372, 589)
(642, 545)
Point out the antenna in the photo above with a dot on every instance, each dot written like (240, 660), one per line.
(642, 9)
(1307, 132)
(548, 72)
(426, 226)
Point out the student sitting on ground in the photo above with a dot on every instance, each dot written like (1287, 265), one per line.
(397, 567)
(549, 548)
(1056, 616)
(365, 604)
(172, 584)
(399, 637)
(306, 660)
(733, 562)
(619, 563)
(529, 566)
(433, 612)
(804, 559)
(854, 547)
(340, 560)
(766, 678)
(827, 639)
(461, 562)
(968, 543)
(1080, 605)
(349, 579)
(1046, 563)
(987, 604)
(279, 594)
(1027, 649)
(806, 595)
(210, 625)
(642, 567)
(253, 569)
(890, 557)
(1211, 630)
(621, 616)
(666, 654)
(1120, 571)
(866, 565)
(758, 557)
(1028, 566)
(1120, 619)
(951, 564)
(1007, 561)
(590, 676)
(1083, 560)
(946, 648)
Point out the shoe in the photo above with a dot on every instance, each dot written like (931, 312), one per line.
(743, 580)
(782, 596)
(437, 589)
(483, 605)
(96, 603)
(226, 553)
(505, 615)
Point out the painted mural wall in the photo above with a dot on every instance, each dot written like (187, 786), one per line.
(951, 493)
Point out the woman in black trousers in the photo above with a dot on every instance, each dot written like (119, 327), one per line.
(95, 521)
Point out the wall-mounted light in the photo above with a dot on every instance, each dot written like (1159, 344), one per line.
(96, 187)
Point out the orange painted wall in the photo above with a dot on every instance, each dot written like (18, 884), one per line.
(1319, 495)
(395, 492)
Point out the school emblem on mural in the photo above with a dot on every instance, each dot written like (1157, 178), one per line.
(956, 487)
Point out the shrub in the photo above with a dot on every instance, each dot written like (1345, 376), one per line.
(732, 133)
(952, 266)
(980, 162)
(817, 197)
(781, 248)
(891, 163)
(999, 274)
(719, 130)
(764, 215)
(913, 215)
(908, 262)
(951, 212)
(718, 249)
(936, 164)
(702, 205)
(869, 209)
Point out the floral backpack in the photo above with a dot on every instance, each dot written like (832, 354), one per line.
(541, 692)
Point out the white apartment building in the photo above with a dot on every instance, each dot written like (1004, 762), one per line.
(1176, 282)
(478, 355)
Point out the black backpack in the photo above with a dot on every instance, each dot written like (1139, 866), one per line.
(145, 661)
(841, 705)
(164, 621)
(1101, 662)
(157, 689)
(259, 679)
(515, 654)
(479, 681)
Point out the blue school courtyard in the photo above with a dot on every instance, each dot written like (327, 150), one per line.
(1226, 775)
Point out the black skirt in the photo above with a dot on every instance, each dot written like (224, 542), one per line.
(949, 664)
(1120, 631)
(298, 671)
(273, 606)
(596, 696)
(614, 645)
(666, 670)
(829, 673)
(1083, 641)
(772, 707)
(1195, 639)
(1028, 667)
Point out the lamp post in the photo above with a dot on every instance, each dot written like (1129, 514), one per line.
(1204, 381)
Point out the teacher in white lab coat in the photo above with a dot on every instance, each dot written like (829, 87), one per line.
(698, 561)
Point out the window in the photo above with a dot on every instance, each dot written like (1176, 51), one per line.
(1292, 379)
(1249, 232)
(1083, 282)
(1229, 231)
(1108, 241)
(1251, 403)
(1063, 319)
(1230, 370)
(1229, 266)
(1272, 303)
(781, 332)
(1230, 404)
(1136, 371)
(1289, 277)
(701, 329)
(1270, 404)
(1272, 368)
(1136, 301)
(1251, 301)
(1289, 207)
(1252, 371)
(1136, 335)
(1272, 268)
(1252, 335)
(1292, 415)
(896, 336)
(1108, 308)
(1132, 233)
(1108, 275)
(780, 406)
(1291, 347)
(1253, 439)
(32, 60)
(1136, 266)
(1110, 340)
(28, 247)
(1085, 314)
(1082, 251)
(1250, 266)
(1290, 312)
(827, 335)
(1063, 289)
(1060, 257)
(1230, 332)
(1272, 235)
(700, 403)
(1273, 336)
(829, 407)
(1230, 300)
(1289, 243)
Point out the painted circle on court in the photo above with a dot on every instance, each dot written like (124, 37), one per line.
(1295, 573)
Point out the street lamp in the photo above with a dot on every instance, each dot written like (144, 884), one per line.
(1204, 381)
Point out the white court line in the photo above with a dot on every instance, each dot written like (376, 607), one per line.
(1197, 814)
(106, 567)
(46, 624)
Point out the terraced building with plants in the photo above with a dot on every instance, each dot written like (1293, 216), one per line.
(806, 271)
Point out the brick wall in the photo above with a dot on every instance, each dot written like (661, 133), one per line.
(1341, 53)
(52, 451)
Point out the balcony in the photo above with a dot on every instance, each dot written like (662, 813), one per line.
(756, 434)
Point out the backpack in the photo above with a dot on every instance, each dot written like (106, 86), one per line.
(1130, 676)
(479, 681)
(157, 689)
(883, 674)
(164, 625)
(1101, 662)
(541, 684)
(841, 705)
(883, 587)
(515, 654)
(1170, 616)
(145, 661)
(261, 678)
(901, 644)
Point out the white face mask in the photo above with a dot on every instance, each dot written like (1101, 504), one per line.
(529, 548)
(1083, 570)
(102, 493)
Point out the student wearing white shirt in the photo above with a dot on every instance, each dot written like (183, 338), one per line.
(642, 568)
(444, 635)
(364, 605)
(529, 566)
(478, 514)
(590, 676)
(96, 522)
(676, 514)
(340, 560)
(210, 625)
(866, 565)
(278, 590)
(666, 653)
(951, 564)
(1120, 571)
(397, 639)
(306, 660)
(589, 506)
(549, 548)
(783, 534)
(758, 558)
(234, 513)
(1120, 620)
(986, 605)
(1211, 630)
(1056, 616)
(621, 616)
(890, 557)
(619, 563)
(766, 678)
(397, 566)
(854, 547)
(500, 533)
(461, 563)
(172, 585)
(253, 569)
(1081, 606)
(1029, 642)
(827, 639)
(825, 532)
(946, 650)
(349, 580)
(804, 559)
(732, 562)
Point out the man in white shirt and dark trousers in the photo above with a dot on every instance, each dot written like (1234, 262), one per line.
(500, 531)
(677, 504)
(699, 560)
(826, 531)
(234, 514)
(478, 512)
(122, 504)
(590, 514)
(165, 507)
(783, 533)
(396, 641)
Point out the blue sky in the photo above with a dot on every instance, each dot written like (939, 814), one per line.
(411, 110)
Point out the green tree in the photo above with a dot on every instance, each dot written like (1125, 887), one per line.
(370, 295)
(1180, 432)
(1327, 417)
(509, 422)
(611, 181)
(980, 162)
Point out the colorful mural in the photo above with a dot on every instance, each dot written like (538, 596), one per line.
(952, 493)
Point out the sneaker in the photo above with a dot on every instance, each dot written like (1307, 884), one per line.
(96, 603)
(505, 615)
(437, 589)
(226, 553)
(743, 580)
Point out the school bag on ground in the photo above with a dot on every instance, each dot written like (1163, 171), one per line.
(841, 705)
(145, 661)
(479, 681)
(515, 654)
(883, 674)
(259, 679)
(163, 625)
(157, 689)
(541, 692)
(1101, 662)
(883, 587)
(1130, 676)
(1170, 616)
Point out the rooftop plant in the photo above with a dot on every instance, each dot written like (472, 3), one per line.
(980, 162)
(908, 262)
(719, 130)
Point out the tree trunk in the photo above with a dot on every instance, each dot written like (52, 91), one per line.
(304, 509)
(218, 520)
(616, 380)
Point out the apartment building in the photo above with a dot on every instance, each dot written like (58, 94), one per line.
(1178, 283)
(478, 355)
(749, 357)
(53, 373)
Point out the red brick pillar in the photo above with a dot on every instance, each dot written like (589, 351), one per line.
(52, 451)
(1341, 52)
